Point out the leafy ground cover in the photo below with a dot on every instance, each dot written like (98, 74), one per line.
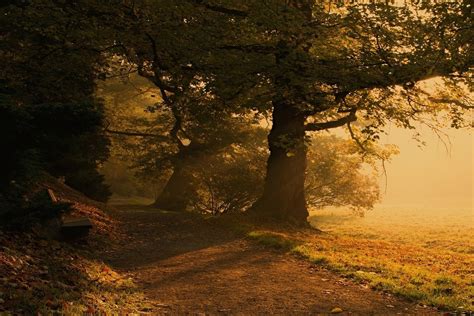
(40, 275)
(44, 277)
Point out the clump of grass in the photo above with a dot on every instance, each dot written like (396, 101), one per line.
(417, 280)
(273, 240)
(443, 280)
(411, 293)
(305, 252)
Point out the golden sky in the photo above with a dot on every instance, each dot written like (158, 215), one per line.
(431, 176)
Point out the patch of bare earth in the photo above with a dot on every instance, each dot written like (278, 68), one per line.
(187, 265)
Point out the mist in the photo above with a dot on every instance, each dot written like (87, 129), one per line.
(438, 175)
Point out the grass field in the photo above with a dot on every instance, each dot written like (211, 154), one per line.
(423, 255)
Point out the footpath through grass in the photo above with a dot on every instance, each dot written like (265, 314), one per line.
(432, 264)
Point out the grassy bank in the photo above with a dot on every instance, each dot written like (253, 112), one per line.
(405, 260)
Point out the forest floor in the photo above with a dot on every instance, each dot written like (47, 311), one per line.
(184, 264)
(143, 261)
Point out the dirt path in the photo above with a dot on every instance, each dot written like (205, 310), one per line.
(188, 266)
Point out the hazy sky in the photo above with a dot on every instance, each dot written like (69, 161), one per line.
(431, 176)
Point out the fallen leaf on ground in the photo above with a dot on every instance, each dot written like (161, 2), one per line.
(336, 310)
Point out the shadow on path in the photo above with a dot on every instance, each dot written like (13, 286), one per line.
(188, 265)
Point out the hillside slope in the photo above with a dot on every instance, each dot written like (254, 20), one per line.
(43, 275)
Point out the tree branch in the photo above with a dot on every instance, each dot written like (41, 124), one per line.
(136, 134)
(157, 67)
(458, 103)
(221, 9)
(251, 48)
(401, 74)
(156, 60)
(332, 124)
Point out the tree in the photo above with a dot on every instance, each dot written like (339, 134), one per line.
(325, 69)
(227, 175)
(312, 67)
(199, 122)
(140, 124)
(315, 68)
(343, 179)
(51, 53)
(232, 180)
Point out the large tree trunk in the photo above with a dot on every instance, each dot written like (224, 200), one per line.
(283, 196)
(175, 195)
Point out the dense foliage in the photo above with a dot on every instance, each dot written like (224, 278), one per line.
(227, 174)
(49, 112)
(314, 66)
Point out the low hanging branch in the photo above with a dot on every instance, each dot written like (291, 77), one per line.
(332, 124)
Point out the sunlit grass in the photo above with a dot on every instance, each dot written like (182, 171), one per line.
(403, 256)
(442, 229)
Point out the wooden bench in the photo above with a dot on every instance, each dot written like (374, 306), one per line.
(75, 227)
(52, 196)
(72, 227)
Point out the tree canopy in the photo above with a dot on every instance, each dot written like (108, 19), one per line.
(311, 65)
